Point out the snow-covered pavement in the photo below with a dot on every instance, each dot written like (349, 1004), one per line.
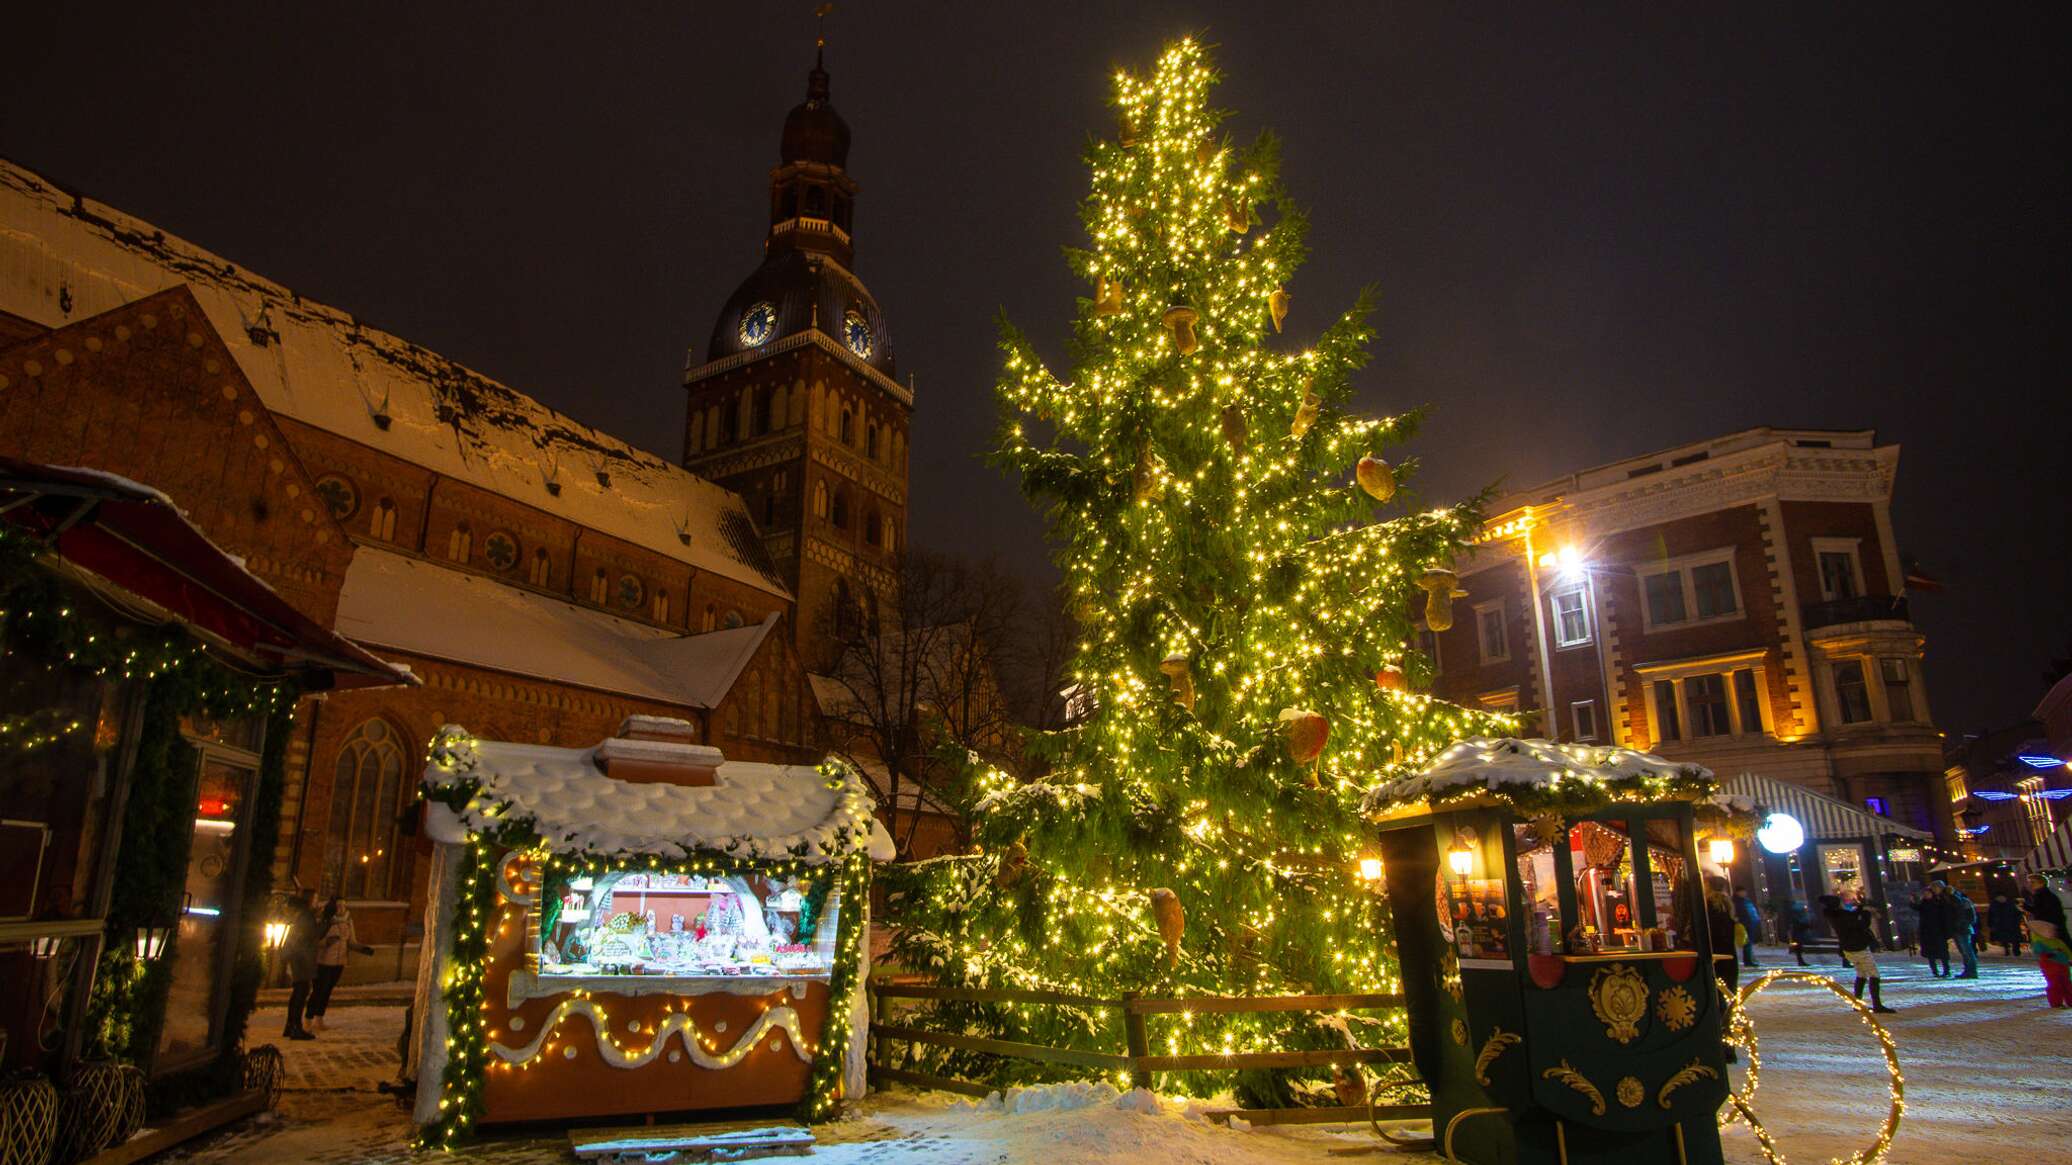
(1988, 1077)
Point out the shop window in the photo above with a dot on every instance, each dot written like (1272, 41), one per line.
(460, 544)
(1571, 618)
(381, 520)
(1677, 902)
(1842, 866)
(1705, 698)
(657, 925)
(1852, 694)
(1668, 720)
(1607, 905)
(1489, 631)
(1899, 689)
(366, 800)
(1583, 713)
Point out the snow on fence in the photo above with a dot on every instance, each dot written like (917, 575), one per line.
(1136, 1056)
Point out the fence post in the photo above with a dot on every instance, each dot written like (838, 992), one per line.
(1134, 1038)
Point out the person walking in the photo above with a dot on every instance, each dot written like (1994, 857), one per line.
(1857, 932)
(299, 956)
(1799, 921)
(1751, 920)
(2042, 903)
(1719, 925)
(1963, 927)
(2004, 924)
(2054, 958)
(1934, 930)
(336, 941)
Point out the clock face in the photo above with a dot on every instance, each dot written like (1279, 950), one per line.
(758, 324)
(857, 335)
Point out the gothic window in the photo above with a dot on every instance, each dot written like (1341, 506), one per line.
(714, 436)
(769, 507)
(711, 618)
(661, 607)
(501, 549)
(367, 793)
(381, 521)
(820, 499)
(340, 497)
(730, 421)
(776, 420)
(765, 408)
(460, 545)
(870, 441)
(599, 587)
(695, 439)
(848, 430)
(541, 566)
(745, 418)
(841, 510)
(798, 403)
(872, 531)
(889, 535)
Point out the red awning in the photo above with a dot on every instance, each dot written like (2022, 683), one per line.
(135, 538)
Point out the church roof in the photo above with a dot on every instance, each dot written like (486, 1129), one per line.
(64, 257)
(410, 604)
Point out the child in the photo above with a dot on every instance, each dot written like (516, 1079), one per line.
(2055, 959)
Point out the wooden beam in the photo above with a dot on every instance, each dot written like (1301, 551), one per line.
(182, 1127)
(1215, 1062)
(1002, 1047)
(1215, 1004)
(1351, 1114)
(990, 995)
(924, 1080)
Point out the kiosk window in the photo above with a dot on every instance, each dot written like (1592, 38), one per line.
(1674, 896)
(1540, 888)
(1601, 853)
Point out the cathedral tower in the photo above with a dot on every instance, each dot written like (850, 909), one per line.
(797, 406)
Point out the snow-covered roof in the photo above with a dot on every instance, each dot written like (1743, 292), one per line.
(753, 810)
(64, 258)
(1504, 764)
(410, 604)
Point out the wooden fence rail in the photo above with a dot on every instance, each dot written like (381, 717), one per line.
(1136, 1057)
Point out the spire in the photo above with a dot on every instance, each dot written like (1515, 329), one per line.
(816, 81)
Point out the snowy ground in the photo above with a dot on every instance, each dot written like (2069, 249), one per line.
(1988, 1077)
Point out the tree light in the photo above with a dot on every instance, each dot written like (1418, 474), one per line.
(1370, 868)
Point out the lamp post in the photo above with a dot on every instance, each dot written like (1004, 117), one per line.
(150, 942)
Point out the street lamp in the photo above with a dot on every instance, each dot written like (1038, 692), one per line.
(150, 944)
(46, 946)
(1460, 858)
(276, 934)
(1722, 850)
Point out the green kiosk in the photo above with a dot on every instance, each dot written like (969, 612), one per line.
(1549, 912)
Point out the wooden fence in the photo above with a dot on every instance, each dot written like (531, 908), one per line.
(1136, 1057)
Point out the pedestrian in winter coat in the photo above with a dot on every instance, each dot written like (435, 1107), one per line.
(1935, 929)
(1963, 928)
(2054, 958)
(1856, 930)
(2043, 905)
(1719, 924)
(1751, 921)
(299, 956)
(2004, 923)
(1800, 923)
(335, 941)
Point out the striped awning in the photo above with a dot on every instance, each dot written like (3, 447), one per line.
(2055, 853)
(1822, 815)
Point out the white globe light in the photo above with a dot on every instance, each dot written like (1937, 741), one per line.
(1781, 833)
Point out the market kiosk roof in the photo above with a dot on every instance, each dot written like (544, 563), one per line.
(1822, 815)
(1486, 770)
(2054, 854)
(751, 810)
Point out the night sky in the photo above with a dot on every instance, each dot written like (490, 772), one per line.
(1593, 235)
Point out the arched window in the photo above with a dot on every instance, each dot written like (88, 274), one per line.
(713, 434)
(848, 429)
(600, 587)
(870, 441)
(769, 507)
(542, 567)
(367, 792)
(776, 420)
(763, 410)
(695, 439)
(661, 605)
(730, 421)
(711, 622)
(460, 544)
(820, 499)
(872, 530)
(841, 510)
(381, 520)
(889, 536)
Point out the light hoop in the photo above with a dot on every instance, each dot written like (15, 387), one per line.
(1741, 1033)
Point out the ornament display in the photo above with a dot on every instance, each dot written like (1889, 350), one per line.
(1234, 429)
(1305, 414)
(1179, 319)
(1305, 730)
(1441, 588)
(1277, 307)
(1177, 669)
(1376, 477)
(1107, 297)
(1172, 922)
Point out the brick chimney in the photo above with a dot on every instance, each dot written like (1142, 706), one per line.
(656, 750)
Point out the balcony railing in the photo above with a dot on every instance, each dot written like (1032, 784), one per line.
(1862, 609)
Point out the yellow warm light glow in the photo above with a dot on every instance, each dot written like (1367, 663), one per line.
(1722, 850)
(1461, 859)
(1370, 868)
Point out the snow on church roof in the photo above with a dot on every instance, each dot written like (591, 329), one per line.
(1504, 765)
(408, 604)
(64, 257)
(753, 811)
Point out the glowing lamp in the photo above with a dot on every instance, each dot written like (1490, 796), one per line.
(276, 934)
(1781, 833)
(151, 942)
(1370, 869)
(46, 946)
(1722, 850)
(1461, 859)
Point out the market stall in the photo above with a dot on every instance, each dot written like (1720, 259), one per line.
(641, 927)
(1549, 913)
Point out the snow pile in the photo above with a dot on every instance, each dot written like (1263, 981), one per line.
(1495, 763)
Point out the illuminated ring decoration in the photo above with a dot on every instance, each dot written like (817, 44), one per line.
(1741, 1025)
(518, 878)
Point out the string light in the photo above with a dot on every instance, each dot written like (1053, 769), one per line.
(1741, 1033)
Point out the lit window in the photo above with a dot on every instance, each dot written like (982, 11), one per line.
(2035, 807)
(1489, 628)
(1571, 618)
(1852, 694)
(1953, 780)
(1584, 714)
(541, 566)
(381, 521)
(366, 803)
(460, 544)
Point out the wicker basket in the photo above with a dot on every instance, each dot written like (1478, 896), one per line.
(265, 1070)
(89, 1111)
(28, 1120)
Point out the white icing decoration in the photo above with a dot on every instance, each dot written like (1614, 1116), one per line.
(569, 1052)
(782, 1019)
(675, 1057)
(719, 1026)
(632, 1025)
(517, 1023)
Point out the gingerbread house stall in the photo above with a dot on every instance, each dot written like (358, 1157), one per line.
(643, 927)
(1557, 968)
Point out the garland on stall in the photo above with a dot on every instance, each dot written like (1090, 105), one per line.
(462, 983)
(1539, 777)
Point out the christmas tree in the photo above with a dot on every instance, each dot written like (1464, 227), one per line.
(1247, 606)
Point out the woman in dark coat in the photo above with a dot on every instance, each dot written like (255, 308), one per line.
(1719, 923)
(1935, 930)
(299, 956)
(2004, 924)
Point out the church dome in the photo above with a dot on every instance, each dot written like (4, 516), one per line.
(795, 291)
(813, 131)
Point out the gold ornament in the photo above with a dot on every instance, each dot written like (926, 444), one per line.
(1147, 482)
(1179, 319)
(1695, 1070)
(1277, 307)
(1375, 476)
(1631, 1092)
(1176, 668)
(1305, 414)
(1350, 1084)
(1619, 996)
(1205, 153)
(1499, 1042)
(1567, 1074)
(1172, 922)
(1108, 297)
(1305, 731)
(1012, 863)
(1237, 216)
(1676, 1009)
(1234, 430)
(1441, 589)
(1128, 134)
(1460, 1031)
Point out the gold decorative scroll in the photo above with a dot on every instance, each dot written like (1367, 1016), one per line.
(1499, 1042)
(1695, 1070)
(1619, 996)
(1567, 1074)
